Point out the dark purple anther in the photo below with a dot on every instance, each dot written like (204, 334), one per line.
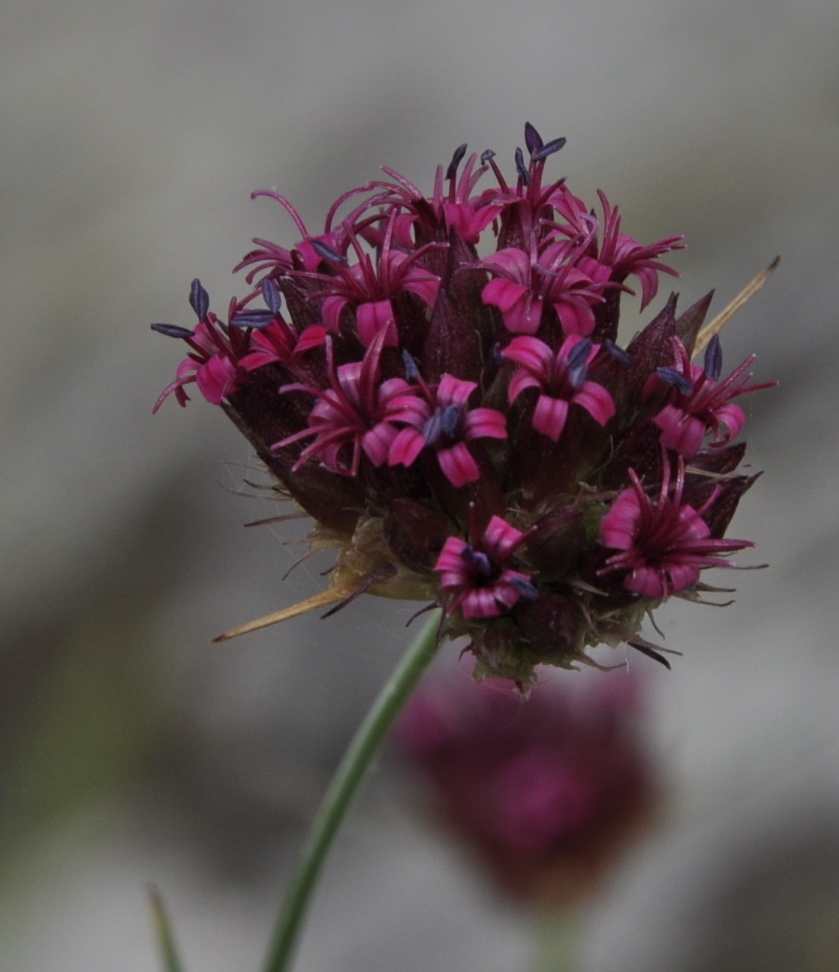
(172, 330)
(713, 358)
(450, 419)
(411, 369)
(520, 167)
(478, 561)
(199, 299)
(459, 152)
(673, 377)
(578, 363)
(532, 139)
(617, 352)
(326, 252)
(548, 149)
(271, 295)
(486, 155)
(524, 588)
(257, 319)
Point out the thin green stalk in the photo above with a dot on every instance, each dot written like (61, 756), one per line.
(348, 777)
(165, 936)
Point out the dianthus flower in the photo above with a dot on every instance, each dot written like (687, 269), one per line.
(436, 381)
(547, 792)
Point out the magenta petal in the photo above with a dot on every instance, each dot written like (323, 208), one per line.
(619, 526)
(525, 316)
(682, 576)
(503, 293)
(311, 337)
(646, 581)
(331, 312)
(511, 261)
(575, 318)
(216, 378)
(680, 432)
(531, 353)
(458, 465)
(733, 418)
(405, 448)
(453, 391)
(480, 603)
(520, 381)
(501, 539)
(596, 401)
(374, 317)
(485, 423)
(451, 564)
(550, 415)
(377, 442)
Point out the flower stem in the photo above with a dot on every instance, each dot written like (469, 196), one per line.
(348, 777)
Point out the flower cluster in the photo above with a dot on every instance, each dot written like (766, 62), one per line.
(545, 793)
(465, 427)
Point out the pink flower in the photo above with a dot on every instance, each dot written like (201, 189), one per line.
(356, 410)
(441, 420)
(561, 379)
(700, 402)
(547, 789)
(213, 361)
(371, 285)
(526, 282)
(665, 544)
(477, 575)
(619, 254)
(275, 340)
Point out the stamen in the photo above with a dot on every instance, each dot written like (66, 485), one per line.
(459, 152)
(520, 168)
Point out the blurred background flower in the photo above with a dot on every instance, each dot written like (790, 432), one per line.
(131, 750)
(547, 789)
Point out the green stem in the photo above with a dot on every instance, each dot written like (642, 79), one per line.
(165, 936)
(348, 777)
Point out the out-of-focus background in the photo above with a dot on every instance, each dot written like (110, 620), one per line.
(132, 751)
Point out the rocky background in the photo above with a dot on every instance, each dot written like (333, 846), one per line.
(133, 751)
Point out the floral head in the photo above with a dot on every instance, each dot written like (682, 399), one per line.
(437, 381)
